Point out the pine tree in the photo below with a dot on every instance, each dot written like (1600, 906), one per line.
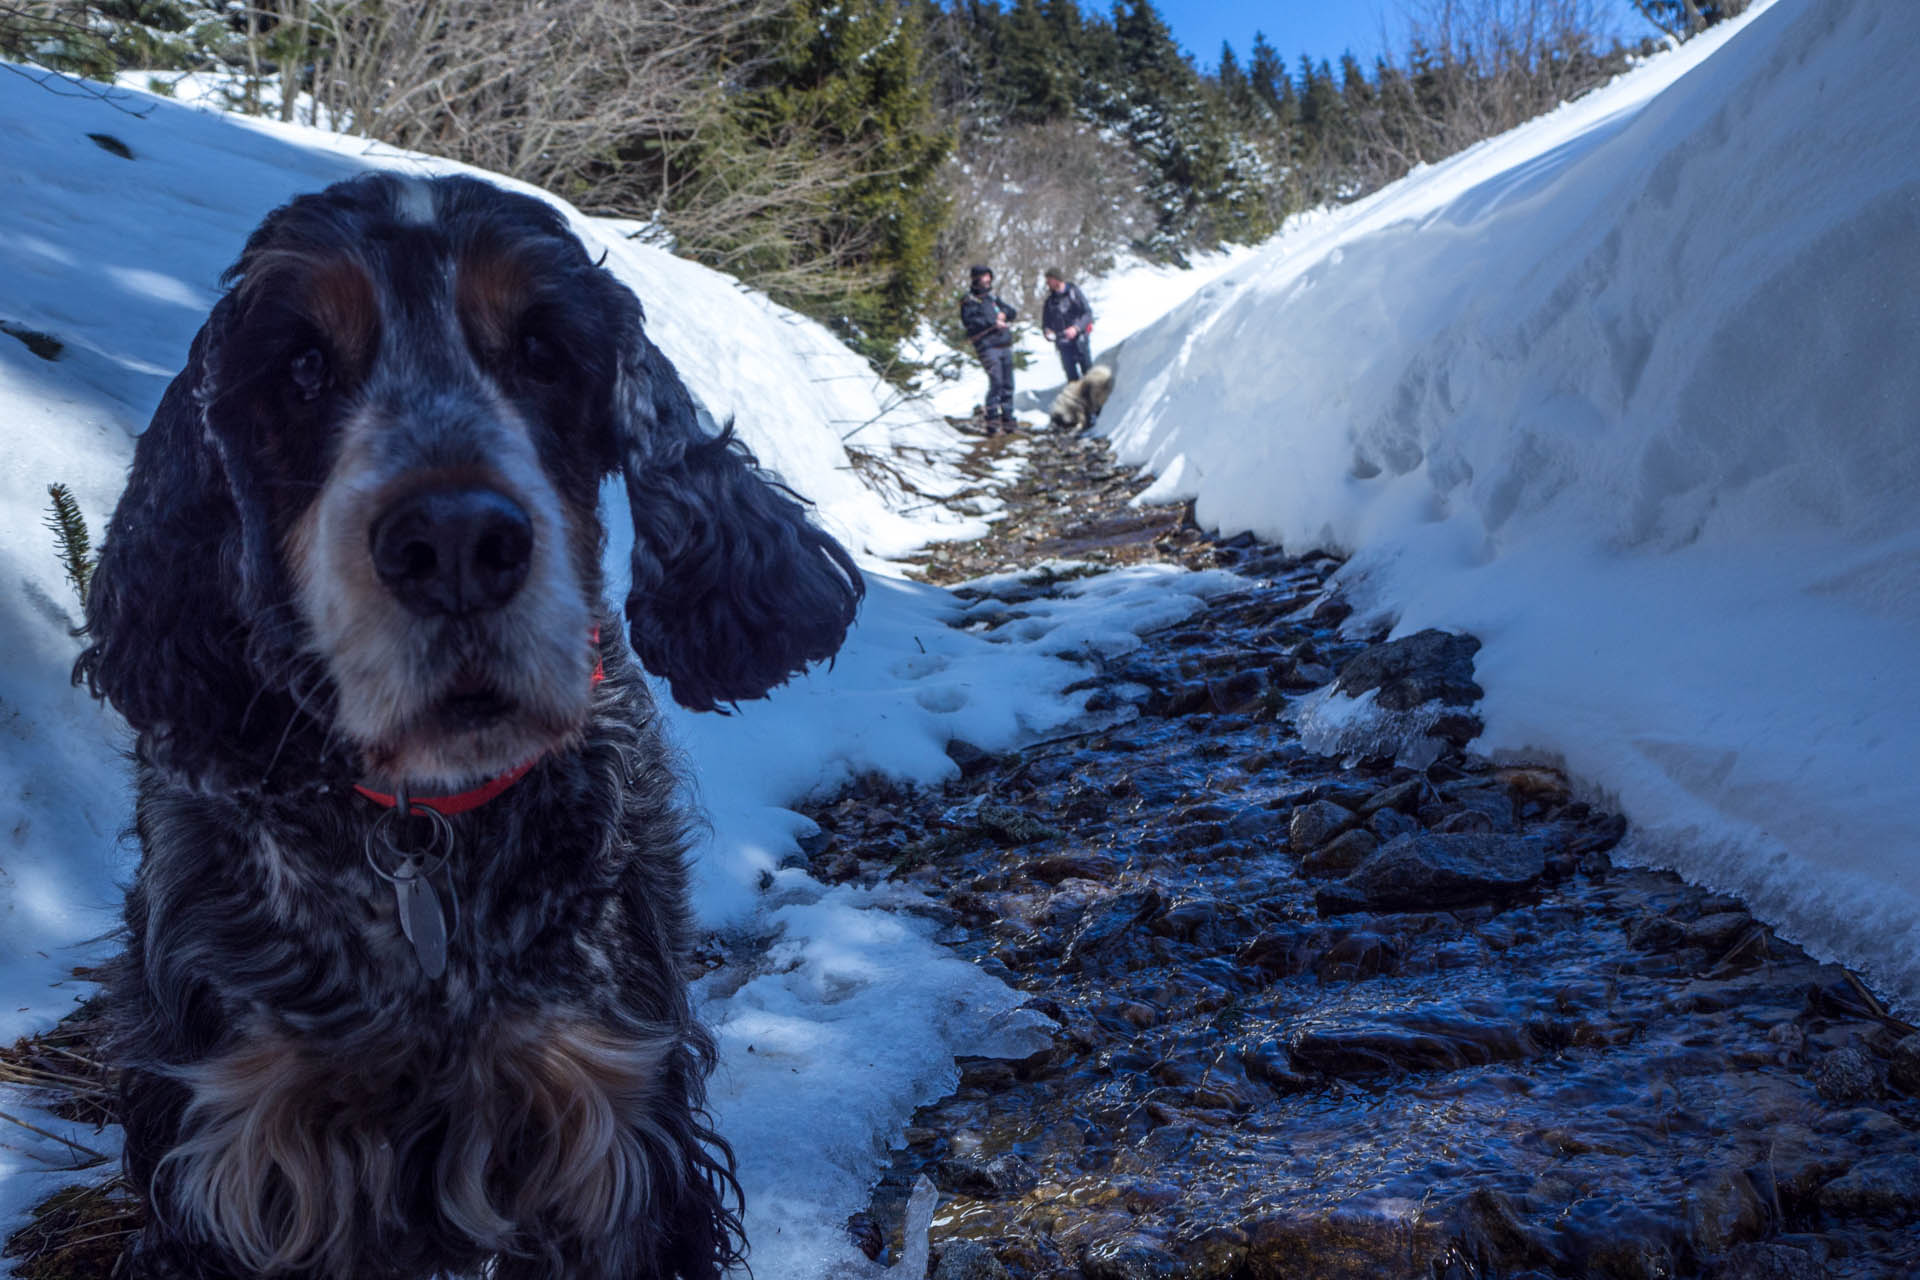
(1267, 74)
(1066, 25)
(1354, 88)
(1034, 78)
(851, 74)
(1148, 54)
(1236, 91)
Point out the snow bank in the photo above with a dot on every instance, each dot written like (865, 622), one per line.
(1630, 394)
(119, 215)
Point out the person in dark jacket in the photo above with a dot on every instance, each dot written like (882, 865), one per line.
(1067, 321)
(985, 318)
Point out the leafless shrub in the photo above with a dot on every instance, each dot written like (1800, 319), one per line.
(1035, 196)
(559, 93)
(1474, 68)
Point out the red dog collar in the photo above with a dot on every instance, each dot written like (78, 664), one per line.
(474, 797)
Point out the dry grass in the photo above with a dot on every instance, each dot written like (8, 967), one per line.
(78, 1232)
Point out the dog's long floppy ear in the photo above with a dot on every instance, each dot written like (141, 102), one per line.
(733, 590)
(167, 633)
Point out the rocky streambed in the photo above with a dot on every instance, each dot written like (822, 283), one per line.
(1337, 1017)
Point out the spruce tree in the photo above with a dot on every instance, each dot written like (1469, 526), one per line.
(1236, 91)
(1034, 78)
(852, 74)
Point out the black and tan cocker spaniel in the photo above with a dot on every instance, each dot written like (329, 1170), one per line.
(404, 989)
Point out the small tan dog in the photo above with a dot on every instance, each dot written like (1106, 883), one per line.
(1080, 401)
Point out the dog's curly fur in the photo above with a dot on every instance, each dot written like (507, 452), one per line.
(300, 1097)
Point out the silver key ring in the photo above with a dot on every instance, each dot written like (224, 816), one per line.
(390, 826)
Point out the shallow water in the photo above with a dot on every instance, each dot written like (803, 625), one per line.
(1608, 1072)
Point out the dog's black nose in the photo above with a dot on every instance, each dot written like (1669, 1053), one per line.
(453, 551)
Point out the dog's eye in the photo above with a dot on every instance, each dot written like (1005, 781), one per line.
(308, 373)
(539, 358)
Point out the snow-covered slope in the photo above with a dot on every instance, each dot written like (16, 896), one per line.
(1632, 393)
(116, 220)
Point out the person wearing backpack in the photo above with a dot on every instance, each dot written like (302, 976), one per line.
(1067, 321)
(986, 319)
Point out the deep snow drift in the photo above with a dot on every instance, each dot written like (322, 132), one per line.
(1630, 393)
(117, 218)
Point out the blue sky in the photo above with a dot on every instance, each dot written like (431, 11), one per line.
(1323, 28)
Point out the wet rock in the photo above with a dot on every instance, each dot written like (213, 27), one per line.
(1656, 933)
(1212, 1253)
(1457, 727)
(1495, 804)
(1903, 1070)
(1756, 1261)
(1867, 1127)
(1788, 1040)
(1415, 1043)
(1250, 823)
(1724, 1209)
(1194, 835)
(1311, 675)
(1800, 1161)
(994, 1176)
(1426, 666)
(1357, 1241)
(866, 1235)
(1069, 866)
(1600, 835)
(1312, 825)
(1404, 797)
(1883, 1186)
(1361, 954)
(1184, 700)
(1531, 782)
(1391, 823)
(1223, 1087)
(1331, 613)
(1718, 931)
(1429, 871)
(1186, 917)
(971, 759)
(1130, 1257)
(1269, 1063)
(1284, 950)
(1845, 1075)
(1341, 854)
(1492, 1225)
(968, 1260)
(1011, 826)
(1110, 921)
(1464, 822)
(1237, 693)
(1348, 795)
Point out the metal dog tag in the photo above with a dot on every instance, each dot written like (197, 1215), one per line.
(421, 919)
